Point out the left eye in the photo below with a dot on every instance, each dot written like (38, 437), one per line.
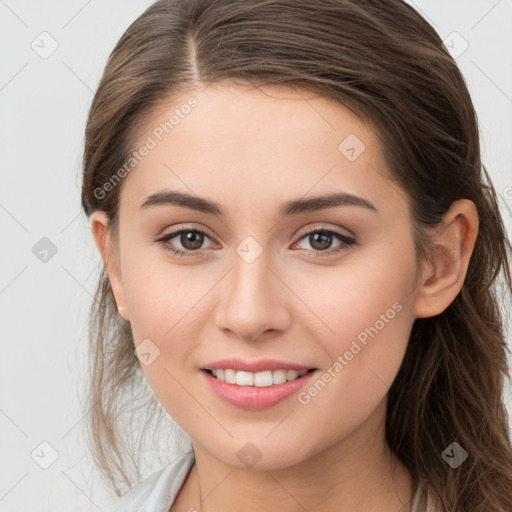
(320, 240)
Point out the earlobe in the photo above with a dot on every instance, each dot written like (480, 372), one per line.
(453, 243)
(98, 223)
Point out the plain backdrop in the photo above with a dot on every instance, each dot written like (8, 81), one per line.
(44, 101)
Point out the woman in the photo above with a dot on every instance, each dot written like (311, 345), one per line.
(301, 249)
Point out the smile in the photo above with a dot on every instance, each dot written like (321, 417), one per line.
(254, 385)
(257, 379)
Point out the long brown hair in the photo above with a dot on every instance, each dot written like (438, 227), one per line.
(384, 62)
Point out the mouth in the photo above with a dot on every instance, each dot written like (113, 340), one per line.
(257, 379)
(255, 385)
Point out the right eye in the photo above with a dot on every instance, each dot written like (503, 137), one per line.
(191, 241)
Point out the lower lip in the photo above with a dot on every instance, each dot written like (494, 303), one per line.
(252, 397)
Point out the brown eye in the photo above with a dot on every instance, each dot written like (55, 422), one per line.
(190, 240)
(320, 241)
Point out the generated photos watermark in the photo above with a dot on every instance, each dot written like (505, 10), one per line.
(343, 360)
(150, 143)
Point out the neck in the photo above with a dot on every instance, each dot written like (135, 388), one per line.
(358, 473)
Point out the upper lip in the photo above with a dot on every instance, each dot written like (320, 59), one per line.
(253, 366)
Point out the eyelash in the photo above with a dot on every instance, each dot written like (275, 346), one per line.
(346, 242)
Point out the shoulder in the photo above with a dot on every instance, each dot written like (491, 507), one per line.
(424, 499)
(157, 492)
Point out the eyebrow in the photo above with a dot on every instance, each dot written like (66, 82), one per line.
(294, 207)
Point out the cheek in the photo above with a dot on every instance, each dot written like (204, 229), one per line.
(371, 289)
(370, 309)
(161, 295)
(167, 305)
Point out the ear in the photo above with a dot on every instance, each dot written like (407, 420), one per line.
(98, 223)
(442, 277)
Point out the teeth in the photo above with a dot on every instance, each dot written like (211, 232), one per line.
(279, 376)
(262, 379)
(244, 378)
(258, 379)
(230, 376)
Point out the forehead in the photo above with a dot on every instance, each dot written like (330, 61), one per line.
(252, 146)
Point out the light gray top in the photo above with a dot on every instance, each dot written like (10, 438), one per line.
(159, 490)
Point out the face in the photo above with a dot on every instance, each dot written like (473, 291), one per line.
(259, 285)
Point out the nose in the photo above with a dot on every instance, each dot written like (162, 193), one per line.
(253, 300)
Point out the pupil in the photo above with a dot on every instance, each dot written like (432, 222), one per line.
(191, 240)
(321, 240)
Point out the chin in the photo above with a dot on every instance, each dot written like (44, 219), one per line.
(258, 453)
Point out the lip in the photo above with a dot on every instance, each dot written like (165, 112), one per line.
(253, 366)
(252, 397)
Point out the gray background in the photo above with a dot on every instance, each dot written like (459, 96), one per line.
(44, 100)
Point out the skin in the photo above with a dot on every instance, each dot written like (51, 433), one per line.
(251, 150)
